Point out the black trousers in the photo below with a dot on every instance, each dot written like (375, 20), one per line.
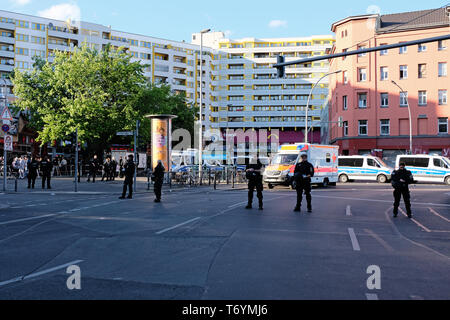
(106, 175)
(31, 180)
(158, 189)
(128, 184)
(306, 188)
(91, 175)
(398, 193)
(46, 177)
(259, 189)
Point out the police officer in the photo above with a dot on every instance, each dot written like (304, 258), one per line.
(46, 171)
(303, 173)
(33, 168)
(129, 169)
(113, 169)
(93, 167)
(253, 173)
(401, 179)
(106, 169)
(158, 178)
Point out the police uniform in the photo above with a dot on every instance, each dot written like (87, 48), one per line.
(46, 170)
(158, 176)
(129, 169)
(255, 181)
(93, 166)
(401, 188)
(33, 168)
(301, 173)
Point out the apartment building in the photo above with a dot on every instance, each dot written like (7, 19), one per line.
(239, 86)
(375, 110)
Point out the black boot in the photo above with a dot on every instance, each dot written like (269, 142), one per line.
(297, 208)
(249, 206)
(395, 213)
(261, 206)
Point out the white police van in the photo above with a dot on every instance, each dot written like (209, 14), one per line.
(426, 168)
(363, 168)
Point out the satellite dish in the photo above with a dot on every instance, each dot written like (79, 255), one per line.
(50, 25)
(11, 62)
(11, 48)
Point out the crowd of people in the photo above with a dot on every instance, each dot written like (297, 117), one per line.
(20, 166)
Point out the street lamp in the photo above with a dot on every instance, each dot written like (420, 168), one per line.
(309, 98)
(410, 119)
(200, 163)
(5, 155)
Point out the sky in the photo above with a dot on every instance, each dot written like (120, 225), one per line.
(177, 20)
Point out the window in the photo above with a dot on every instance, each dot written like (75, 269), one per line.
(345, 128)
(441, 45)
(22, 51)
(443, 125)
(344, 51)
(439, 163)
(403, 50)
(344, 102)
(37, 40)
(22, 65)
(385, 128)
(361, 54)
(38, 26)
(422, 98)
(442, 69)
(442, 97)
(384, 97)
(415, 162)
(362, 100)
(362, 74)
(362, 127)
(351, 162)
(384, 73)
(403, 72)
(403, 99)
(22, 37)
(422, 48)
(22, 24)
(383, 52)
(422, 71)
(345, 77)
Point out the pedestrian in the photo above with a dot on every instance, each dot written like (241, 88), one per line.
(55, 163)
(303, 173)
(63, 166)
(33, 168)
(121, 167)
(158, 178)
(253, 173)
(113, 169)
(401, 179)
(93, 167)
(21, 166)
(46, 171)
(106, 169)
(128, 170)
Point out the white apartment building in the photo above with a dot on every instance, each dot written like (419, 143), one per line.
(240, 88)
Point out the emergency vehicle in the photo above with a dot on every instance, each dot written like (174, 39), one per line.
(363, 168)
(427, 168)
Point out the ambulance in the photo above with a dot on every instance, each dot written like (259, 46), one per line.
(323, 158)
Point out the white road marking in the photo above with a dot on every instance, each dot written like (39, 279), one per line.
(437, 214)
(349, 211)
(26, 219)
(354, 240)
(372, 296)
(380, 240)
(237, 205)
(177, 226)
(415, 221)
(384, 201)
(40, 273)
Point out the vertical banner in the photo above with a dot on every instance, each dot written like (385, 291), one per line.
(160, 142)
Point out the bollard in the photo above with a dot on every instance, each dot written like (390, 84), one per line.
(233, 175)
(170, 181)
(215, 181)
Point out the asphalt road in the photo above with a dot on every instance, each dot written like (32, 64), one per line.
(203, 244)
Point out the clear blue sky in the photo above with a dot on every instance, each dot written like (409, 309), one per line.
(176, 20)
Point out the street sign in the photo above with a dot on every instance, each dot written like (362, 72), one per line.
(125, 133)
(5, 128)
(6, 114)
(8, 142)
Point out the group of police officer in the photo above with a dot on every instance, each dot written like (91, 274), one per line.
(304, 171)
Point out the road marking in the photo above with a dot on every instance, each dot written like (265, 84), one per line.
(354, 240)
(177, 226)
(437, 214)
(380, 240)
(237, 205)
(40, 273)
(372, 296)
(26, 219)
(384, 201)
(415, 221)
(349, 211)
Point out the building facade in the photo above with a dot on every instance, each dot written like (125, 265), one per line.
(373, 108)
(239, 86)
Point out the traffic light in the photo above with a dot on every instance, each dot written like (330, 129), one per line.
(280, 70)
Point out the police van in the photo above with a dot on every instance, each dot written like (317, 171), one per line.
(363, 168)
(427, 168)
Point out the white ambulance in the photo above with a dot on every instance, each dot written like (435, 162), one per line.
(323, 158)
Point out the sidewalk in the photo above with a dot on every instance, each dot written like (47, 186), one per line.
(66, 185)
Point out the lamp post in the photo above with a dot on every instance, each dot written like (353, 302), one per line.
(5, 155)
(200, 144)
(410, 119)
(309, 99)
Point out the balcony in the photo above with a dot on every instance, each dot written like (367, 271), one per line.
(8, 40)
(6, 54)
(59, 47)
(6, 68)
(62, 34)
(7, 26)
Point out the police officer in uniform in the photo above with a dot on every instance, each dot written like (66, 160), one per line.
(401, 179)
(93, 167)
(303, 173)
(129, 169)
(253, 173)
(46, 171)
(158, 178)
(33, 168)
(106, 169)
